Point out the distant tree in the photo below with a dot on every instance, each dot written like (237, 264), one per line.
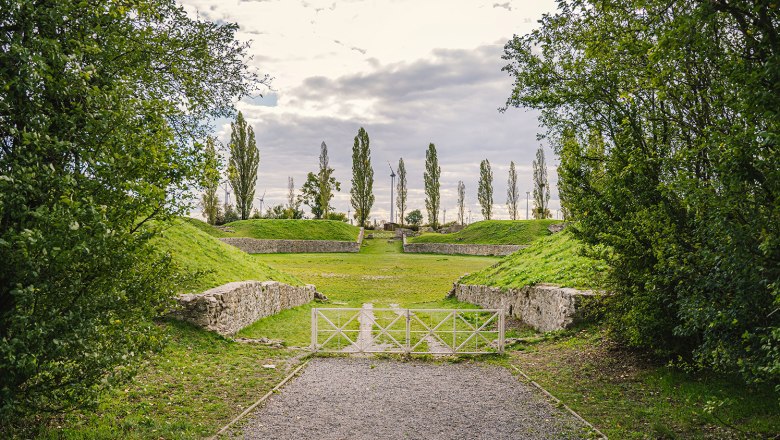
(362, 177)
(512, 193)
(401, 187)
(244, 160)
(230, 214)
(310, 194)
(485, 190)
(414, 218)
(461, 201)
(325, 182)
(432, 185)
(209, 200)
(256, 214)
(541, 187)
(338, 216)
(291, 200)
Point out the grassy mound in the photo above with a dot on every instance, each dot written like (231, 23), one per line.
(205, 227)
(555, 259)
(294, 230)
(492, 232)
(197, 251)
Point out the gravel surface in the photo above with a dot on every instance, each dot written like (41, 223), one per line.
(367, 398)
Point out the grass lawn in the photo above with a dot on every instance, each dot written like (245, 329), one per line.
(293, 230)
(217, 262)
(554, 259)
(492, 232)
(198, 384)
(380, 274)
(628, 396)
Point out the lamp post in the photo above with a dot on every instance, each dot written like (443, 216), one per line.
(392, 185)
(527, 194)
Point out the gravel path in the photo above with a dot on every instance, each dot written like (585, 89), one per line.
(350, 398)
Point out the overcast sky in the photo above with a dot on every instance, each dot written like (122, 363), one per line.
(410, 72)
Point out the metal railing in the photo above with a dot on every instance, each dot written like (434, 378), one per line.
(407, 331)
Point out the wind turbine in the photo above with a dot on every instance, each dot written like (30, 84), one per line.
(392, 186)
(226, 187)
(260, 199)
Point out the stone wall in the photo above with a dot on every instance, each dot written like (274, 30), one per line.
(229, 308)
(462, 249)
(257, 246)
(543, 307)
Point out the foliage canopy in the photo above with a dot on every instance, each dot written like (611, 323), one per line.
(100, 114)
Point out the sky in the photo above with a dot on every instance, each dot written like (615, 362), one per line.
(411, 72)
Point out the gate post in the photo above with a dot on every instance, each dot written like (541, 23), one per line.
(501, 332)
(314, 329)
(408, 331)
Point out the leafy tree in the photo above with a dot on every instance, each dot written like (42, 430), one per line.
(325, 182)
(310, 194)
(401, 188)
(211, 175)
(362, 178)
(541, 187)
(338, 216)
(414, 218)
(485, 189)
(432, 185)
(666, 120)
(461, 202)
(231, 215)
(512, 193)
(244, 160)
(100, 107)
(293, 202)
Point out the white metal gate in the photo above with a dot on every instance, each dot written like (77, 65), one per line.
(397, 330)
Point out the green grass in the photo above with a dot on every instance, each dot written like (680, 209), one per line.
(628, 396)
(198, 384)
(380, 274)
(492, 232)
(205, 227)
(554, 259)
(218, 263)
(294, 230)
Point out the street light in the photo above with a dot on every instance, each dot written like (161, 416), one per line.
(527, 194)
(392, 185)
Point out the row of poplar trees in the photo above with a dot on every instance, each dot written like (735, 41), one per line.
(484, 192)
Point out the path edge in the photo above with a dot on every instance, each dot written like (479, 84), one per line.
(559, 402)
(261, 400)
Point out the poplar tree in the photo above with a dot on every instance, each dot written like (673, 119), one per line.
(485, 190)
(512, 193)
(461, 201)
(325, 182)
(541, 187)
(209, 199)
(432, 186)
(362, 177)
(244, 160)
(290, 193)
(401, 187)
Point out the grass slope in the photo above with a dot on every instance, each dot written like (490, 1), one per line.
(294, 230)
(554, 259)
(492, 232)
(205, 227)
(219, 263)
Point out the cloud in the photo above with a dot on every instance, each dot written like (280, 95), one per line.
(450, 99)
